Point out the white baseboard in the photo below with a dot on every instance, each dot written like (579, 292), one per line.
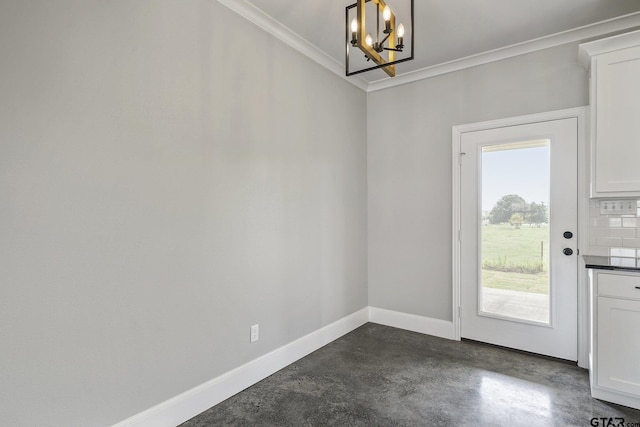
(187, 405)
(412, 322)
(192, 402)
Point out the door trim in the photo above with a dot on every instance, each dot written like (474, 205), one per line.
(581, 114)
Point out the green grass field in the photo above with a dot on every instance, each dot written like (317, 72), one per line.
(509, 246)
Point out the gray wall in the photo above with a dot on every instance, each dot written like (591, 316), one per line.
(169, 175)
(409, 165)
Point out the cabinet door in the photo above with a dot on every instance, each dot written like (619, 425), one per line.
(616, 153)
(618, 345)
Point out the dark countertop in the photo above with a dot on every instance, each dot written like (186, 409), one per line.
(612, 263)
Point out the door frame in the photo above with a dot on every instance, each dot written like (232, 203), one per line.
(581, 114)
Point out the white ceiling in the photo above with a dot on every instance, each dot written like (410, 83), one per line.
(447, 30)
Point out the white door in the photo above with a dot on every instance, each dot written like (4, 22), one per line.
(518, 235)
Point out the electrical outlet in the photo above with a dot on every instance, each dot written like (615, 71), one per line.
(255, 333)
(618, 207)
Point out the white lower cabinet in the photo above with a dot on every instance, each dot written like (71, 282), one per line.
(615, 338)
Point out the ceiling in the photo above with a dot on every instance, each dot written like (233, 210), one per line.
(447, 30)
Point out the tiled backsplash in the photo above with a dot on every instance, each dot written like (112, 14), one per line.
(614, 235)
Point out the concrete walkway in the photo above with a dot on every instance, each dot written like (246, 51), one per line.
(522, 305)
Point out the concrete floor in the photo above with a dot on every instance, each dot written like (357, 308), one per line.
(382, 376)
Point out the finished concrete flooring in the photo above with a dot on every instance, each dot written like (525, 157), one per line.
(382, 376)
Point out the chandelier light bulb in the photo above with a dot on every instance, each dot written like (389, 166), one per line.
(368, 40)
(354, 32)
(386, 13)
(400, 30)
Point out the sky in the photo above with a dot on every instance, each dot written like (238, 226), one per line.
(523, 171)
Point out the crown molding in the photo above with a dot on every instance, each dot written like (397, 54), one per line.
(279, 31)
(584, 33)
(597, 47)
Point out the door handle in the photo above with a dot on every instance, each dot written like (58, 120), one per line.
(567, 251)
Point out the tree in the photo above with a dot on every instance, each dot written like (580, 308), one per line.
(516, 220)
(537, 214)
(505, 207)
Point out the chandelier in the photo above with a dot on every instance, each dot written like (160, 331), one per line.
(383, 48)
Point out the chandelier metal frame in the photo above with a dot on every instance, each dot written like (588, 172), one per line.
(372, 49)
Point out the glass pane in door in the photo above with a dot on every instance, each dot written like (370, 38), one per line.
(514, 249)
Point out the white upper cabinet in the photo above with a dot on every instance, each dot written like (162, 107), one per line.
(614, 64)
